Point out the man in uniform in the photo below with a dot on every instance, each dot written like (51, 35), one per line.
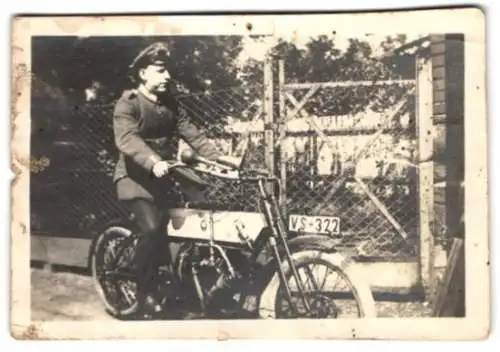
(148, 123)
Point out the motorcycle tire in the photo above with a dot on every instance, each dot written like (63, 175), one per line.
(112, 307)
(268, 305)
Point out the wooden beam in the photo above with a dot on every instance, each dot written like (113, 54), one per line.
(361, 131)
(268, 118)
(282, 135)
(425, 135)
(364, 149)
(448, 103)
(302, 102)
(450, 299)
(317, 85)
(385, 123)
(382, 208)
(310, 120)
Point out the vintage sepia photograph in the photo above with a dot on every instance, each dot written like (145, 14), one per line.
(285, 175)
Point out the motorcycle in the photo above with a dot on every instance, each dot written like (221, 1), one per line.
(230, 264)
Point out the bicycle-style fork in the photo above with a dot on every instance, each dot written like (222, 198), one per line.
(275, 221)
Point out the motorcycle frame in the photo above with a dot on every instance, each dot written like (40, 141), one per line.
(279, 233)
(276, 235)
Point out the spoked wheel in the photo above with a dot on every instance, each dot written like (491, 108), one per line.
(333, 288)
(111, 271)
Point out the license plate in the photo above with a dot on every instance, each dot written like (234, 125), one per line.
(314, 224)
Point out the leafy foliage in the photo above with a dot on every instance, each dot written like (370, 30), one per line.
(322, 61)
(73, 63)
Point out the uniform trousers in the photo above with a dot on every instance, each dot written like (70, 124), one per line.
(149, 206)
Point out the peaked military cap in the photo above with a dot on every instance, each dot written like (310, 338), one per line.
(155, 54)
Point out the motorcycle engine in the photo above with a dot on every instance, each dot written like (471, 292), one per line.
(214, 271)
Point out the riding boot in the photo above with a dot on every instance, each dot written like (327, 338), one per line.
(146, 270)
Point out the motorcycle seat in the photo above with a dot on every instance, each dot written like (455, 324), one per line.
(205, 205)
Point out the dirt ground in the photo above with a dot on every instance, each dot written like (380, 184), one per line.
(64, 296)
(69, 296)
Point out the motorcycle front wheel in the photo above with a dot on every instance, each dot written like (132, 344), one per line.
(325, 299)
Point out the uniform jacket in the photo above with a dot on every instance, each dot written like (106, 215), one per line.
(146, 132)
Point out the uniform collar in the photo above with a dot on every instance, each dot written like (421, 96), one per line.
(147, 94)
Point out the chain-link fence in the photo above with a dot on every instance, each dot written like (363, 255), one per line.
(74, 191)
(232, 119)
(359, 168)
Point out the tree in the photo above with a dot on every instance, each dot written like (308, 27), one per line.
(80, 68)
(74, 63)
(321, 61)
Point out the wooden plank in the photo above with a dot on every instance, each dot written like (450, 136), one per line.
(268, 118)
(312, 124)
(438, 48)
(436, 38)
(384, 276)
(60, 250)
(439, 96)
(302, 102)
(439, 111)
(282, 136)
(361, 151)
(438, 90)
(450, 299)
(382, 208)
(317, 85)
(385, 123)
(425, 135)
(455, 77)
(438, 72)
(453, 152)
(439, 84)
(357, 131)
(438, 60)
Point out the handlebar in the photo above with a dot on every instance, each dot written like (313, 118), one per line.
(220, 168)
(225, 170)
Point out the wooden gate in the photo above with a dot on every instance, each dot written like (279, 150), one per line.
(360, 178)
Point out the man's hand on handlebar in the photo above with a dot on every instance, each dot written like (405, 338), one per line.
(161, 168)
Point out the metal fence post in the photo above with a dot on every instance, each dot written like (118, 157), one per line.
(424, 96)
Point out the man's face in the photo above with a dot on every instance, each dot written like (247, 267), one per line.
(155, 78)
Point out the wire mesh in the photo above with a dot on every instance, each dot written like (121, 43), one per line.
(358, 167)
(232, 120)
(75, 191)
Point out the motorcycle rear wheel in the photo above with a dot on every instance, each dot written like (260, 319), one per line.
(118, 296)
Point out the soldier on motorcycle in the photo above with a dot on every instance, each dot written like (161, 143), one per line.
(148, 123)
